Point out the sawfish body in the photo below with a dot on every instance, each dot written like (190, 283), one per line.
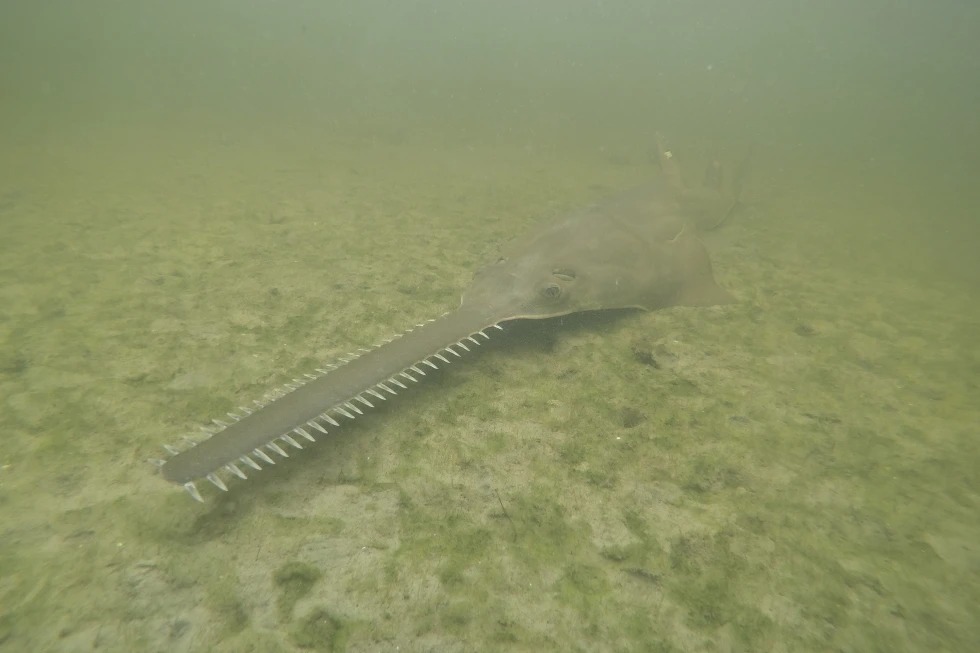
(637, 249)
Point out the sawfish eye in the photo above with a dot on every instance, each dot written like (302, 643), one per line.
(551, 291)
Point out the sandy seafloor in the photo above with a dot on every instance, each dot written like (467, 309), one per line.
(793, 472)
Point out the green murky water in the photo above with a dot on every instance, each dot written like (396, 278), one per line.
(199, 203)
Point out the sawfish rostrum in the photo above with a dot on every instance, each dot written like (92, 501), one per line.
(638, 249)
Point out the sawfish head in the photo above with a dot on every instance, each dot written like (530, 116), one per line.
(636, 251)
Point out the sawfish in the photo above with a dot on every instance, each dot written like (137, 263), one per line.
(637, 249)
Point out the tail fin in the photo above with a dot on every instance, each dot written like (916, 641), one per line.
(712, 203)
(670, 168)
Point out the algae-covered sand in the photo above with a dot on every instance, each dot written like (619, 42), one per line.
(793, 472)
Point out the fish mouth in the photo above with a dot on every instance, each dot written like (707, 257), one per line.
(299, 412)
